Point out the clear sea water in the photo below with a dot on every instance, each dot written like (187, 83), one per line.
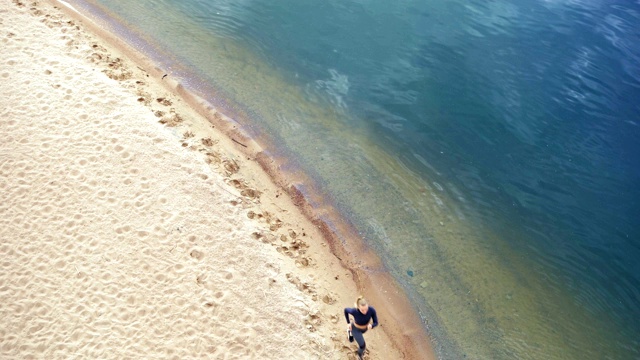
(489, 151)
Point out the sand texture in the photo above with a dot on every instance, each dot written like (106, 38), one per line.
(131, 228)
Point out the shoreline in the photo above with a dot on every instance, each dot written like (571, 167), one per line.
(260, 178)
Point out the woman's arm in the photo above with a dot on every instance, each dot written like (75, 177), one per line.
(374, 317)
(347, 311)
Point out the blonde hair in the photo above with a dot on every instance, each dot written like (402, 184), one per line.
(361, 301)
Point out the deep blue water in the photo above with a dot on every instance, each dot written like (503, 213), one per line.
(499, 141)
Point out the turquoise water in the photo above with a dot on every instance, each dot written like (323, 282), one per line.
(487, 150)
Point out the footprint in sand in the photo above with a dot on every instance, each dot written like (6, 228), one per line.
(164, 101)
(196, 254)
(245, 190)
(303, 286)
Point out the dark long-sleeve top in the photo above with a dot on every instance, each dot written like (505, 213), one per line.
(360, 318)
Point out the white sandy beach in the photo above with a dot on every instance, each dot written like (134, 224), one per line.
(131, 227)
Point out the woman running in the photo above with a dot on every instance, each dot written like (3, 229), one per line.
(363, 315)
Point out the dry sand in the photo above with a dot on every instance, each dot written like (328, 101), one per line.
(131, 227)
